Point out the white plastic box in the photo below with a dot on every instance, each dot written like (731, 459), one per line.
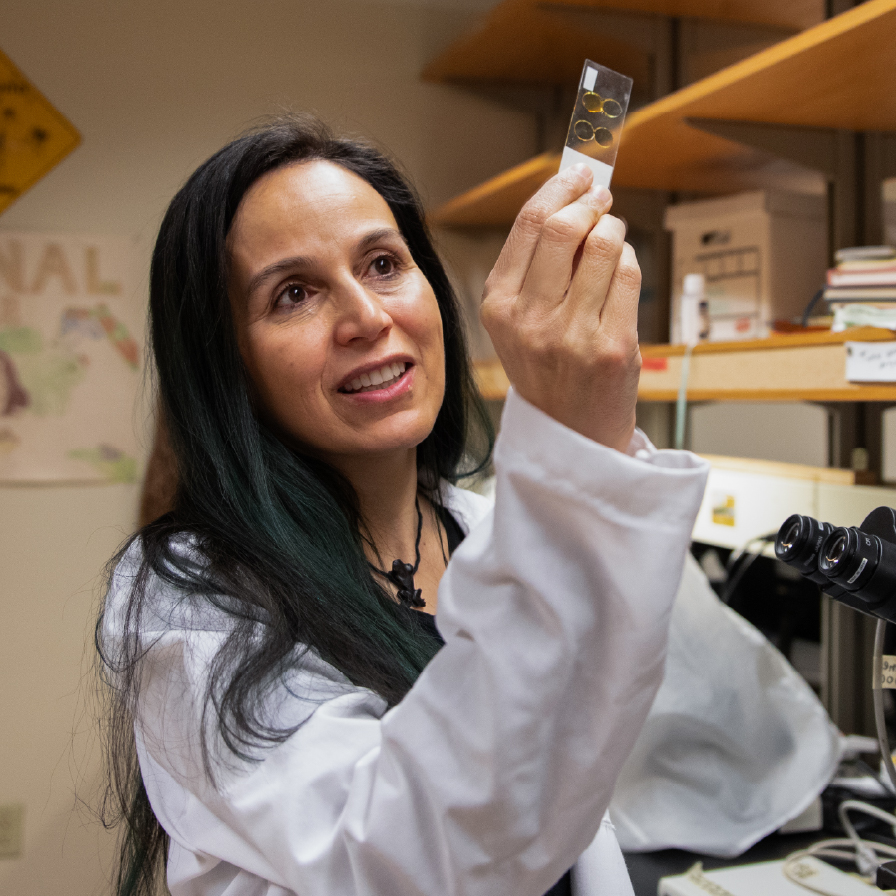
(763, 254)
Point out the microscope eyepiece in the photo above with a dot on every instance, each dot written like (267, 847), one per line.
(798, 543)
(856, 566)
(791, 537)
(835, 551)
(849, 557)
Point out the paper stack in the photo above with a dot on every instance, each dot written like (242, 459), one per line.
(861, 289)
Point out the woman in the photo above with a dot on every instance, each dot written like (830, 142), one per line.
(299, 726)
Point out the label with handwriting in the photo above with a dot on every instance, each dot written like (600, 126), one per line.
(888, 673)
(871, 362)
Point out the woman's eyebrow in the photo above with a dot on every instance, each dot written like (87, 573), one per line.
(380, 234)
(275, 269)
(296, 262)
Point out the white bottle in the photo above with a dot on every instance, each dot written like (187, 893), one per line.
(693, 310)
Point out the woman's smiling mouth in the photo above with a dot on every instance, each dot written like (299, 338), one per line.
(374, 380)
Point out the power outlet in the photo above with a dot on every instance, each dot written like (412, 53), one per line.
(12, 830)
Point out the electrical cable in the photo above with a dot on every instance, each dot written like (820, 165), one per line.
(836, 849)
(745, 548)
(733, 578)
(843, 811)
(681, 403)
(867, 854)
(804, 321)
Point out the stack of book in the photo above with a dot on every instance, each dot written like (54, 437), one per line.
(861, 289)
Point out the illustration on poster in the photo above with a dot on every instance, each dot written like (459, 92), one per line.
(69, 358)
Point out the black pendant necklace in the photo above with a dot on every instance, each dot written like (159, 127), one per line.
(402, 574)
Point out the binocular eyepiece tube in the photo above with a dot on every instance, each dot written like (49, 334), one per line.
(854, 565)
(799, 542)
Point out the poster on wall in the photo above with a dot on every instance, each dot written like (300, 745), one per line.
(71, 358)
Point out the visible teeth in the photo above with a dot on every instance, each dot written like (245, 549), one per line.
(367, 382)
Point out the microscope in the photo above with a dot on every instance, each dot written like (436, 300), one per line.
(855, 565)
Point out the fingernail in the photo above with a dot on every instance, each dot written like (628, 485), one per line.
(581, 170)
(601, 194)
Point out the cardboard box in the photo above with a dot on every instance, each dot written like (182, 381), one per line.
(763, 254)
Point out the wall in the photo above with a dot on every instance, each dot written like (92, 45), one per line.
(792, 433)
(154, 89)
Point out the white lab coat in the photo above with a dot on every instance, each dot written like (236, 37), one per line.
(494, 774)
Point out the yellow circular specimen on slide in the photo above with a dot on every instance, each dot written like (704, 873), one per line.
(593, 102)
(611, 108)
(583, 130)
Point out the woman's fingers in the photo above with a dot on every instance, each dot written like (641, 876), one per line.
(561, 308)
(620, 308)
(562, 236)
(601, 256)
(509, 273)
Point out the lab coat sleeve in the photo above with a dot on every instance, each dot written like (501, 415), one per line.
(494, 772)
(600, 870)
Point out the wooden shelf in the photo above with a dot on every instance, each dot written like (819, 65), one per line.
(797, 367)
(838, 74)
(828, 475)
(496, 202)
(794, 15)
(538, 42)
(521, 42)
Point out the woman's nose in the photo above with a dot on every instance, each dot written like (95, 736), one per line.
(360, 314)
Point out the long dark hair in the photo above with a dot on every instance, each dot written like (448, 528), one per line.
(279, 533)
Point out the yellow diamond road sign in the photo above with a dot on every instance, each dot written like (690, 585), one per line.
(34, 137)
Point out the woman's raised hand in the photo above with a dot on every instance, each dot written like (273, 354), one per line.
(561, 307)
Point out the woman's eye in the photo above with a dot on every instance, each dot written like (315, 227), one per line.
(383, 266)
(292, 294)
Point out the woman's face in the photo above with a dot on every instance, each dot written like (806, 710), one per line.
(338, 328)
